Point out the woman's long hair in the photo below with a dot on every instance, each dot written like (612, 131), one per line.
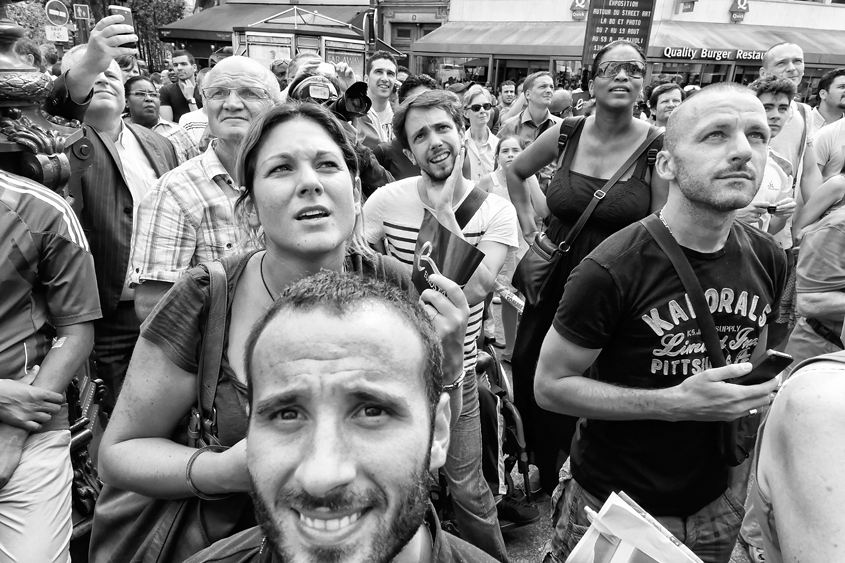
(246, 163)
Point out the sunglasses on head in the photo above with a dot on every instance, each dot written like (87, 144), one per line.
(477, 107)
(609, 69)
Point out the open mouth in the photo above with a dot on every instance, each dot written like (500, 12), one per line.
(440, 158)
(312, 213)
(619, 89)
(331, 524)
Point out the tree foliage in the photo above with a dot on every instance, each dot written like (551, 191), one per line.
(30, 15)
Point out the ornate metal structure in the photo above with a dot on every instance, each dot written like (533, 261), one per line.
(55, 153)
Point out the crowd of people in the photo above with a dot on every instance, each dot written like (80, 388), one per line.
(239, 268)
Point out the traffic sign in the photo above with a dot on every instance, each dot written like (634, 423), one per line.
(56, 33)
(81, 12)
(57, 12)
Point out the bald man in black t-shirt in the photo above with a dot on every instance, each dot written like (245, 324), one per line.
(651, 404)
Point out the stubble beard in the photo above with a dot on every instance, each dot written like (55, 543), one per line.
(389, 539)
(706, 196)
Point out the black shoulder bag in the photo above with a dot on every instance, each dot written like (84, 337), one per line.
(535, 272)
(737, 437)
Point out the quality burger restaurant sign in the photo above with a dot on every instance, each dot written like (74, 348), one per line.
(708, 54)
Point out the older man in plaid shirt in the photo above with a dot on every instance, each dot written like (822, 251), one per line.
(188, 216)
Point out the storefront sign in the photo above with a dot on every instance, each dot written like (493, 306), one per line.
(579, 10)
(712, 54)
(610, 20)
(738, 10)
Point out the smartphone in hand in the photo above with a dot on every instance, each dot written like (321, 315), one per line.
(127, 20)
(764, 368)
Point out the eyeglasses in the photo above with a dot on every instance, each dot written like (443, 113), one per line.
(477, 107)
(561, 112)
(609, 69)
(142, 94)
(246, 94)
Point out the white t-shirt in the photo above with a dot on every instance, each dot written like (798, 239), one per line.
(829, 143)
(776, 185)
(395, 212)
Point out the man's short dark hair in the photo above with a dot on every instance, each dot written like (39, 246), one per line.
(415, 81)
(380, 55)
(345, 294)
(828, 78)
(531, 78)
(26, 46)
(404, 69)
(661, 89)
(183, 53)
(507, 83)
(442, 99)
(774, 85)
(132, 80)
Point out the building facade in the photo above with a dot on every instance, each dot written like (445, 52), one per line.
(703, 41)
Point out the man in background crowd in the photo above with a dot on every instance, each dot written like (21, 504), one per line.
(377, 126)
(831, 94)
(196, 200)
(182, 96)
(127, 159)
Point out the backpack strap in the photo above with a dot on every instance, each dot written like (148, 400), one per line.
(469, 206)
(567, 127)
(647, 163)
(211, 353)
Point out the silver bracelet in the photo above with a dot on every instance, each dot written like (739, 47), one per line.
(196, 492)
(457, 384)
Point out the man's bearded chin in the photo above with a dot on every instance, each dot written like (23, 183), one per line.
(438, 174)
(390, 537)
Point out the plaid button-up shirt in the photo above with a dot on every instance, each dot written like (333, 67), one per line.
(181, 140)
(186, 218)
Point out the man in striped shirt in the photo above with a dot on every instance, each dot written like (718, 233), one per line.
(47, 311)
(430, 129)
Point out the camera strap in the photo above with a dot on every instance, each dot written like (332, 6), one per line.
(703, 317)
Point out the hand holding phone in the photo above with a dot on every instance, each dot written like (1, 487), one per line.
(127, 20)
(764, 368)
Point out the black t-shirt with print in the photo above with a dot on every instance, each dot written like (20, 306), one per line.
(627, 299)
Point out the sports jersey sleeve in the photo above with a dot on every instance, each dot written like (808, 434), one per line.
(503, 226)
(374, 217)
(820, 267)
(591, 306)
(164, 237)
(174, 325)
(66, 271)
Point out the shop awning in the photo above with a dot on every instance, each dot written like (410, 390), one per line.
(216, 24)
(823, 46)
(512, 39)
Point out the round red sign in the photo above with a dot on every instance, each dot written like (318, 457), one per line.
(57, 12)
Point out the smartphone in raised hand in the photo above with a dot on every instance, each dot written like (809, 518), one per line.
(127, 20)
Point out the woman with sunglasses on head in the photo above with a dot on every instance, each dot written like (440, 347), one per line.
(480, 141)
(301, 203)
(596, 149)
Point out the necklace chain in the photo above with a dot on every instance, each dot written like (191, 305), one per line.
(659, 214)
(263, 280)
